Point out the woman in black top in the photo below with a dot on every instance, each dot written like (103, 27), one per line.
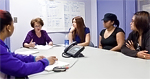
(111, 38)
(138, 42)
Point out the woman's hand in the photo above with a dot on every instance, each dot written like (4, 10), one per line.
(52, 59)
(143, 54)
(72, 29)
(39, 58)
(32, 44)
(130, 45)
(51, 43)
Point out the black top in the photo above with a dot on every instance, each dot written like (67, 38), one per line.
(109, 42)
(134, 37)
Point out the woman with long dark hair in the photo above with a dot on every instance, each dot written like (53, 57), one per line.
(138, 41)
(79, 32)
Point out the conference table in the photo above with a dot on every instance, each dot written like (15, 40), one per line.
(97, 64)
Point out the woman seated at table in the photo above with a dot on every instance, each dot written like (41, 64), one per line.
(111, 38)
(138, 41)
(79, 32)
(13, 65)
(37, 36)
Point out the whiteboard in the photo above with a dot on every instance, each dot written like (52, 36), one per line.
(57, 15)
(26, 10)
(146, 7)
(143, 5)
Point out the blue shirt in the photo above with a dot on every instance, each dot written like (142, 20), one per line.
(77, 38)
(17, 65)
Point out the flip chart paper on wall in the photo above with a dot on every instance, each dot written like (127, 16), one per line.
(58, 14)
(146, 7)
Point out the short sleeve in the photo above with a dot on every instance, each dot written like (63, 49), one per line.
(69, 29)
(87, 30)
(119, 30)
(102, 32)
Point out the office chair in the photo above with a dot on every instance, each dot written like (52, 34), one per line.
(91, 44)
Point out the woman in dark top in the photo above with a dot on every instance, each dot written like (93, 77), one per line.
(138, 42)
(37, 36)
(111, 38)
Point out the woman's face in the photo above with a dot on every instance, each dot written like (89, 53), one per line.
(37, 27)
(74, 23)
(108, 24)
(133, 27)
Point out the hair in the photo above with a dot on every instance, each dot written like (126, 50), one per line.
(116, 22)
(38, 20)
(142, 21)
(80, 28)
(5, 19)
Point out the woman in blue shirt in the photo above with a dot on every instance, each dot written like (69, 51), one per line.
(13, 65)
(79, 32)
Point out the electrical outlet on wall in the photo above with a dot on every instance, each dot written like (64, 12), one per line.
(15, 19)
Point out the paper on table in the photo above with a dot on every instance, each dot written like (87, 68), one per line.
(56, 64)
(42, 47)
(26, 52)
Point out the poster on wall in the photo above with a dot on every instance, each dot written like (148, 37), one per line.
(146, 7)
(57, 15)
(143, 5)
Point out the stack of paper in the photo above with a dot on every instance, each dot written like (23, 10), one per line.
(26, 52)
(42, 47)
(56, 64)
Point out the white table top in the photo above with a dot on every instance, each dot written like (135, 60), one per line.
(97, 64)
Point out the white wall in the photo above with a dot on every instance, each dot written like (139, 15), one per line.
(19, 8)
(2, 4)
(94, 22)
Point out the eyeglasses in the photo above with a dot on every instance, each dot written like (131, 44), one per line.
(38, 26)
(132, 21)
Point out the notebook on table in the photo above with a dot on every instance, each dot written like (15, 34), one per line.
(42, 47)
(26, 52)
